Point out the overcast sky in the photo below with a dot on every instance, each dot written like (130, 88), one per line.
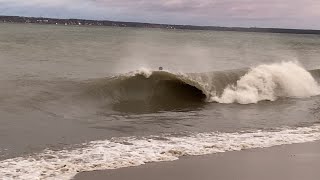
(248, 13)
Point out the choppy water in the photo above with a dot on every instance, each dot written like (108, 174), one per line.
(86, 98)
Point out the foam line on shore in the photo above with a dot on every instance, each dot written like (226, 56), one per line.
(132, 151)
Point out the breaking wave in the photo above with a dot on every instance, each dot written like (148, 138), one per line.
(160, 90)
(154, 89)
(268, 82)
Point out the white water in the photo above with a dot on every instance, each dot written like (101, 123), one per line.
(132, 151)
(268, 82)
(143, 71)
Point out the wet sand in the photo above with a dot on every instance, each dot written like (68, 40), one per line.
(294, 162)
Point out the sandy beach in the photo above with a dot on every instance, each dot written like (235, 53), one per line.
(294, 162)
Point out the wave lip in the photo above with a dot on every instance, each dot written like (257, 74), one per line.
(132, 151)
(269, 82)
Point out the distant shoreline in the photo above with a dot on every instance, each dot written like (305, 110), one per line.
(84, 22)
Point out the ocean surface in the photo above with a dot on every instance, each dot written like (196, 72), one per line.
(76, 98)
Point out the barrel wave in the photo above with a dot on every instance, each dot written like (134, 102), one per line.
(163, 89)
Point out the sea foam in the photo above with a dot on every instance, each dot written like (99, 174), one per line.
(269, 82)
(132, 151)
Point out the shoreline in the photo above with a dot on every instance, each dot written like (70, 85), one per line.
(90, 22)
(294, 162)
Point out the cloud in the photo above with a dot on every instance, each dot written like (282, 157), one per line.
(275, 13)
